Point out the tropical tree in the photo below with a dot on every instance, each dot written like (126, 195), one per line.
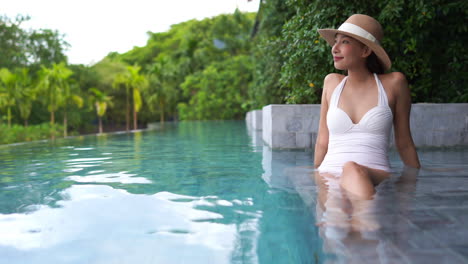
(3, 101)
(219, 91)
(155, 97)
(13, 42)
(8, 91)
(187, 49)
(83, 78)
(70, 97)
(101, 101)
(162, 91)
(110, 78)
(120, 81)
(46, 47)
(136, 82)
(16, 89)
(52, 84)
(26, 94)
(31, 47)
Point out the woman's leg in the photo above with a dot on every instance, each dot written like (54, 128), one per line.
(360, 180)
(332, 207)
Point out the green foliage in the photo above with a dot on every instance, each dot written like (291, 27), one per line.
(8, 91)
(46, 47)
(29, 48)
(12, 42)
(415, 31)
(187, 54)
(189, 50)
(429, 46)
(81, 118)
(53, 85)
(100, 100)
(107, 71)
(136, 82)
(161, 93)
(17, 133)
(26, 93)
(266, 87)
(217, 92)
(110, 79)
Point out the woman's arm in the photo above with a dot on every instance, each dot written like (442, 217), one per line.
(321, 144)
(403, 139)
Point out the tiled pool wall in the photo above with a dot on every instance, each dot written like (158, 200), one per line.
(296, 126)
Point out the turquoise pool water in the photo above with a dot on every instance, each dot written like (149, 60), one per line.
(189, 193)
(211, 192)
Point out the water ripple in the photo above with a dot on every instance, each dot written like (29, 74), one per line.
(120, 177)
(157, 220)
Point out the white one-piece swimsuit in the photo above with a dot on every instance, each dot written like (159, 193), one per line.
(366, 142)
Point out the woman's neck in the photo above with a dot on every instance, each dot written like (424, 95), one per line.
(359, 75)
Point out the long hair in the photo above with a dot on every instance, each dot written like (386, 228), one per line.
(373, 64)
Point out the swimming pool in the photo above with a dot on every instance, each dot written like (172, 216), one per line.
(188, 193)
(210, 192)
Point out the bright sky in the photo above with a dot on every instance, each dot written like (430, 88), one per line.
(96, 27)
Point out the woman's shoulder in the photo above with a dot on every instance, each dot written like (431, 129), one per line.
(393, 80)
(396, 86)
(333, 77)
(330, 82)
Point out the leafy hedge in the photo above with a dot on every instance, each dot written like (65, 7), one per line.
(18, 133)
(218, 92)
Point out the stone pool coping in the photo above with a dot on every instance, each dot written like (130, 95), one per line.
(295, 126)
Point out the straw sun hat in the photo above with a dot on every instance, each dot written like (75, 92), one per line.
(365, 29)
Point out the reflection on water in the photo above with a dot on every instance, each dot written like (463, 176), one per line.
(416, 216)
(120, 177)
(211, 192)
(115, 215)
(357, 230)
(191, 193)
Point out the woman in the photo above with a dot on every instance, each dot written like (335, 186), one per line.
(358, 110)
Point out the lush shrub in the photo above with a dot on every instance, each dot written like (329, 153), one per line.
(17, 133)
(267, 54)
(218, 92)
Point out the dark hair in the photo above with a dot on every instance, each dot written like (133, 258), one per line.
(373, 64)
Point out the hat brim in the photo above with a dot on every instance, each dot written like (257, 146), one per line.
(329, 35)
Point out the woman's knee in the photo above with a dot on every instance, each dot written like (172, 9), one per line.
(353, 170)
(357, 180)
(352, 166)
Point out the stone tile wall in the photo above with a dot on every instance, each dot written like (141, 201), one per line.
(257, 122)
(290, 126)
(436, 125)
(295, 126)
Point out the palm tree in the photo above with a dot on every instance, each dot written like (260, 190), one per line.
(52, 83)
(101, 101)
(159, 93)
(119, 81)
(8, 91)
(154, 96)
(27, 94)
(137, 83)
(70, 97)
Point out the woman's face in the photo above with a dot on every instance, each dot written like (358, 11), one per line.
(348, 52)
